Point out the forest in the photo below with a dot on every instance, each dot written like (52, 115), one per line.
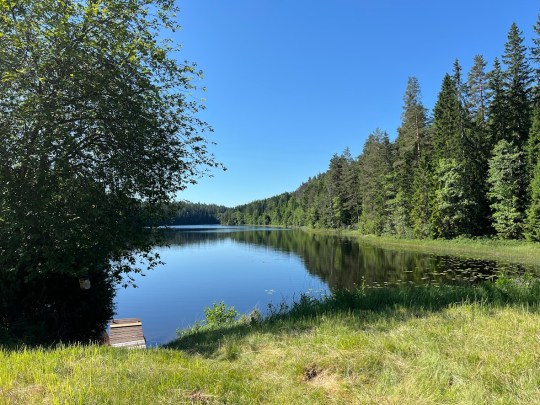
(470, 167)
(188, 213)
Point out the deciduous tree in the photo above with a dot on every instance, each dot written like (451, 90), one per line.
(98, 133)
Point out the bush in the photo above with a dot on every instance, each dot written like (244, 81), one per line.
(219, 314)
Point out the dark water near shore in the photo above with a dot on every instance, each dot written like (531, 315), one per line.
(249, 267)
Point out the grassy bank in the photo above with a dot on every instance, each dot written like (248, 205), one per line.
(414, 345)
(513, 251)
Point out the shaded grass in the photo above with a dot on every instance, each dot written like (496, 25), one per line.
(406, 345)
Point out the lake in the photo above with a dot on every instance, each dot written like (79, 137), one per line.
(252, 267)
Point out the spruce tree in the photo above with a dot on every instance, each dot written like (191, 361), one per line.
(517, 86)
(479, 142)
(409, 146)
(532, 222)
(447, 139)
(506, 171)
(375, 164)
(533, 143)
(462, 93)
(535, 57)
(452, 143)
(497, 111)
(335, 188)
(452, 202)
(464, 122)
(422, 199)
(351, 183)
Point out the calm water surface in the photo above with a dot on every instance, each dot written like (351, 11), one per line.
(249, 268)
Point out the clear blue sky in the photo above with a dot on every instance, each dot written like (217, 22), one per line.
(291, 82)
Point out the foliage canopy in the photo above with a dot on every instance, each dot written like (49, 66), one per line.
(99, 131)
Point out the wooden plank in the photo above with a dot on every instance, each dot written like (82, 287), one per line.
(119, 331)
(126, 329)
(124, 325)
(140, 344)
(125, 320)
(127, 332)
(125, 338)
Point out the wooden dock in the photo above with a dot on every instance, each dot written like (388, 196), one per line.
(127, 332)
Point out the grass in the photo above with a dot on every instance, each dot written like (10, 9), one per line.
(407, 345)
(514, 251)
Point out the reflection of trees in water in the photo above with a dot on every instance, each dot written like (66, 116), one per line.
(346, 263)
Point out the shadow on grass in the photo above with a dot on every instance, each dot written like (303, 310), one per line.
(396, 303)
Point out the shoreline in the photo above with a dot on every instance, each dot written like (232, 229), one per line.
(512, 251)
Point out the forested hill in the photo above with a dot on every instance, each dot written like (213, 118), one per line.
(469, 167)
(188, 213)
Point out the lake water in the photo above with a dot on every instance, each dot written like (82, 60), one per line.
(251, 267)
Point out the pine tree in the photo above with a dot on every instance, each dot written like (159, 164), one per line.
(477, 85)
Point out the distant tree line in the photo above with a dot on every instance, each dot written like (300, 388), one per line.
(470, 167)
(188, 213)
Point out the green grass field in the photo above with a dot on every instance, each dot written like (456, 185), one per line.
(409, 345)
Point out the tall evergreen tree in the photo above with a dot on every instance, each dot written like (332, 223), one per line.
(464, 123)
(375, 164)
(506, 171)
(532, 221)
(409, 146)
(422, 199)
(452, 201)
(452, 143)
(461, 88)
(447, 136)
(352, 193)
(533, 144)
(517, 85)
(477, 85)
(497, 111)
(480, 142)
(336, 190)
(532, 225)
(535, 57)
